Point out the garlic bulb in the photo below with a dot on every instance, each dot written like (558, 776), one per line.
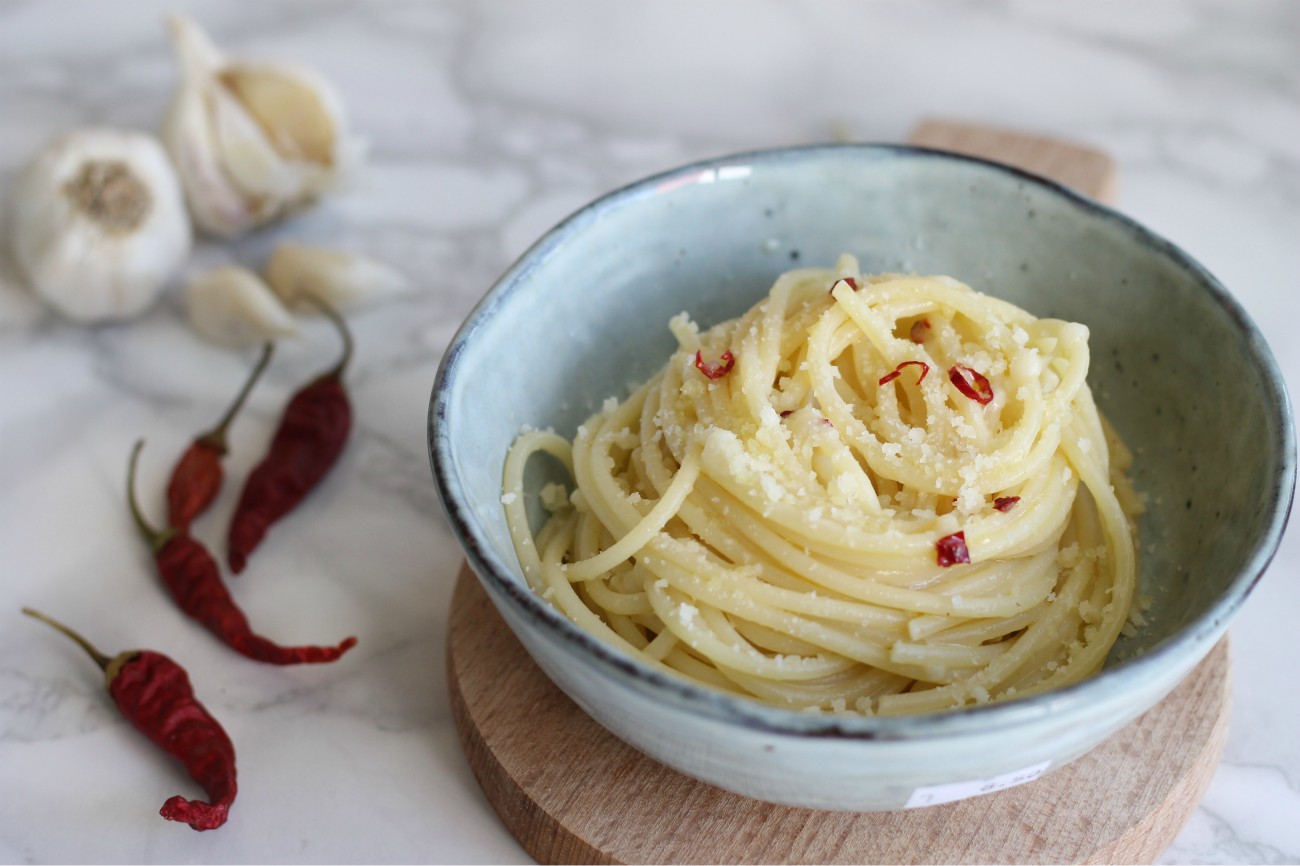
(98, 225)
(253, 141)
(231, 306)
(342, 280)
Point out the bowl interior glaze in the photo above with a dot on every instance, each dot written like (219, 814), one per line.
(1177, 366)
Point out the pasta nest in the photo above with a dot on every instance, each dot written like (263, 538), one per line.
(874, 494)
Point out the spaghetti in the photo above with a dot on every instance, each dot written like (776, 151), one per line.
(879, 494)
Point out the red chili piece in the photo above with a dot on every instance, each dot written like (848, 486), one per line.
(952, 549)
(193, 578)
(715, 369)
(154, 694)
(312, 432)
(981, 392)
(898, 371)
(919, 327)
(853, 284)
(1005, 503)
(197, 478)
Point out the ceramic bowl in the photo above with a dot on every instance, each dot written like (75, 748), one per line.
(1177, 366)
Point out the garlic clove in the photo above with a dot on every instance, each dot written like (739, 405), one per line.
(342, 280)
(98, 224)
(294, 106)
(271, 136)
(231, 306)
(217, 205)
(250, 161)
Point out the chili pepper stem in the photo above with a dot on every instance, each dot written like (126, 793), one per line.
(216, 437)
(337, 320)
(100, 659)
(156, 538)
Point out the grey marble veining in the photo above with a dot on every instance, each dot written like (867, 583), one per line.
(488, 123)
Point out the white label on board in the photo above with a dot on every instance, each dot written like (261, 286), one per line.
(936, 794)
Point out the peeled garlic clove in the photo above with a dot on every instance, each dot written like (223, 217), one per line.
(231, 306)
(296, 108)
(98, 225)
(254, 166)
(254, 141)
(342, 280)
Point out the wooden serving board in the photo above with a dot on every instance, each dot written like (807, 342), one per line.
(571, 792)
(1086, 169)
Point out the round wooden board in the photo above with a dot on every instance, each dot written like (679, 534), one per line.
(571, 792)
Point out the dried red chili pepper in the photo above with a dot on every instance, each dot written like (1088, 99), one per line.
(1005, 503)
(154, 694)
(981, 392)
(853, 284)
(312, 432)
(898, 371)
(919, 327)
(952, 549)
(715, 369)
(197, 478)
(193, 578)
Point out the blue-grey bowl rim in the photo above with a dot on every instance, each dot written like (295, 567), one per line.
(704, 701)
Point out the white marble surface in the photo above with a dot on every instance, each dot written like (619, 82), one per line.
(488, 123)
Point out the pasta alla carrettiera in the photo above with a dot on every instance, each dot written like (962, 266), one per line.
(870, 493)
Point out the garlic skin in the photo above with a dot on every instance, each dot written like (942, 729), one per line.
(98, 224)
(342, 280)
(253, 141)
(231, 306)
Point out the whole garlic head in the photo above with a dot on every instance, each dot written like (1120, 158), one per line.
(253, 141)
(98, 224)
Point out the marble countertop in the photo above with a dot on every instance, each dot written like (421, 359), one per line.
(488, 123)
